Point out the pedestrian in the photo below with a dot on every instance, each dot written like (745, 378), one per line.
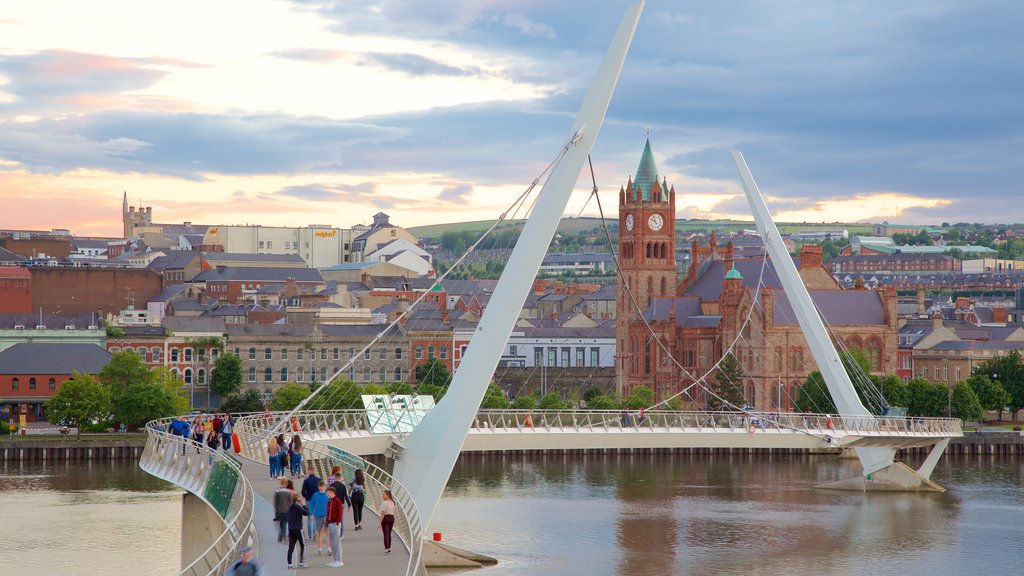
(198, 437)
(296, 456)
(340, 492)
(335, 512)
(282, 452)
(318, 511)
(227, 429)
(217, 426)
(275, 459)
(207, 427)
(296, 511)
(246, 565)
(358, 498)
(309, 487)
(387, 519)
(282, 501)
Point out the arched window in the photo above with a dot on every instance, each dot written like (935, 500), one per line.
(664, 284)
(650, 288)
(252, 374)
(15, 384)
(268, 375)
(188, 375)
(301, 377)
(201, 376)
(31, 383)
(648, 245)
(874, 352)
(174, 354)
(284, 374)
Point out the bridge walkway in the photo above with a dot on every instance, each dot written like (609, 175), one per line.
(362, 551)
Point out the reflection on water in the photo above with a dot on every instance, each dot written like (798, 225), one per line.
(742, 514)
(87, 519)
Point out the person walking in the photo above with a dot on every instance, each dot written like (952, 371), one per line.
(296, 511)
(227, 430)
(246, 565)
(274, 457)
(282, 452)
(198, 435)
(357, 499)
(296, 459)
(318, 511)
(387, 519)
(217, 426)
(335, 513)
(282, 501)
(340, 492)
(309, 487)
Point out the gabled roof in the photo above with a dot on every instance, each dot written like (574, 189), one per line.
(169, 293)
(53, 358)
(178, 260)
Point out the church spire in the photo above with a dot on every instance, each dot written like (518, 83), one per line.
(646, 173)
(124, 203)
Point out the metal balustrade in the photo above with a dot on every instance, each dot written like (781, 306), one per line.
(214, 477)
(254, 434)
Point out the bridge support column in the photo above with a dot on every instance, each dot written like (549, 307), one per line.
(200, 526)
(896, 477)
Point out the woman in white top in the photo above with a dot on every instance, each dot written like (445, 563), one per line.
(387, 519)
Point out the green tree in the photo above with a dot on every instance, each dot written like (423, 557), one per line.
(401, 388)
(591, 392)
(965, 403)
(494, 398)
(525, 402)
(338, 395)
(288, 396)
(602, 402)
(728, 385)
(123, 370)
(1008, 370)
(433, 372)
(552, 401)
(248, 401)
(226, 376)
(991, 395)
(926, 398)
(813, 396)
(642, 397)
(160, 395)
(79, 402)
(895, 391)
(434, 390)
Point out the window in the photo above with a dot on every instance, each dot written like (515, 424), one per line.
(53, 383)
(252, 353)
(156, 354)
(323, 374)
(202, 354)
(188, 375)
(351, 353)
(595, 356)
(284, 353)
(366, 354)
(301, 377)
(270, 244)
(513, 350)
(323, 353)
(300, 353)
(261, 244)
(366, 374)
(238, 352)
(565, 357)
(284, 374)
(31, 383)
(174, 354)
(958, 373)
(268, 375)
(383, 374)
(252, 374)
(552, 357)
(538, 356)
(580, 355)
(188, 354)
(778, 360)
(15, 384)
(419, 352)
(430, 352)
(337, 353)
(444, 351)
(383, 354)
(398, 374)
(268, 354)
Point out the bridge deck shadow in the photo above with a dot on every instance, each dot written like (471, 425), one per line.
(363, 550)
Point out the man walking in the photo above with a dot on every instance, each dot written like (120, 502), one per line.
(335, 511)
(310, 486)
(246, 565)
(227, 428)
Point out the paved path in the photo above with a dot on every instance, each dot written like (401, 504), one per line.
(363, 550)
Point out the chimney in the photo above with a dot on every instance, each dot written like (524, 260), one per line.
(728, 256)
(999, 315)
(858, 284)
(920, 300)
(768, 306)
(810, 256)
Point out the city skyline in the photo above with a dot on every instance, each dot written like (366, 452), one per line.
(292, 113)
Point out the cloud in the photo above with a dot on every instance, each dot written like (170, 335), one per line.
(364, 193)
(528, 27)
(310, 54)
(414, 65)
(313, 192)
(455, 193)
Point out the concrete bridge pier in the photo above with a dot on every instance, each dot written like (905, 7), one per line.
(200, 527)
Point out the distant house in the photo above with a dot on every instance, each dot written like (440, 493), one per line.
(233, 284)
(31, 373)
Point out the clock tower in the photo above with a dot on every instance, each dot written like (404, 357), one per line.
(647, 257)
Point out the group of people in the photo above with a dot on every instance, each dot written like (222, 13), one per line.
(284, 455)
(322, 502)
(215, 431)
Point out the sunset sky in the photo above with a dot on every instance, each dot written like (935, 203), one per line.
(315, 111)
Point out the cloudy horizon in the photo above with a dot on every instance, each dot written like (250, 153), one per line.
(317, 111)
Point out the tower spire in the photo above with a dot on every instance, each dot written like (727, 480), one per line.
(646, 172)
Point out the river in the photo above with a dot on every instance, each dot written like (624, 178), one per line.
(594, 515)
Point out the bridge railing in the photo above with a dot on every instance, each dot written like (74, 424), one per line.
(253, 432)
(214, 477)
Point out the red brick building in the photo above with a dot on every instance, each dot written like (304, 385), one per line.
(75, 290)
(15, 290)
(31, 373)
(234, 284)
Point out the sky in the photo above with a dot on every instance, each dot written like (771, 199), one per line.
(297, 112)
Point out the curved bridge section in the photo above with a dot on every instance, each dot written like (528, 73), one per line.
(215, 478)
(254, 430)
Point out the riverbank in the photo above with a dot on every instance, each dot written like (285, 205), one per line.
(43, 448)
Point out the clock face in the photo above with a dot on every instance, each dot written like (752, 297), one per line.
(629, 222)
(655, 222)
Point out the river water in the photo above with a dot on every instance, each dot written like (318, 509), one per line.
(593, 515)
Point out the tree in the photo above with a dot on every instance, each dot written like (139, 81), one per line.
(79, 402)
(158, 396)
(591, 392)
(552, 401)
(226, 376)
(1008, 370)
(525, 402)
(926, 398)
(401, 388)
(991, 395)
(338, 395)
(288, 397)
(965, 403)
(123, 370)
(248, 401)
(602, 402)
(433, 372)
(642, 397)
(494, 398)
(813, 396)
(728, 385)
(895, 391)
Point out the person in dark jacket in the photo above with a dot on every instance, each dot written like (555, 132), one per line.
(282, 501)
(296, 511)
(310, 486)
